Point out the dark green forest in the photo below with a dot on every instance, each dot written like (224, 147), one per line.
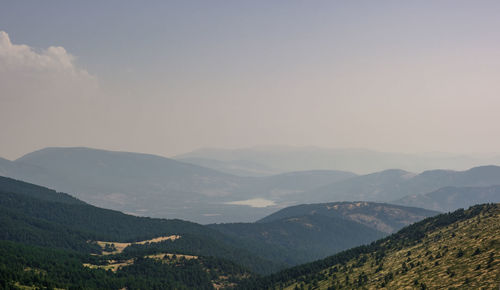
(51, 268)
(314, 236)
(45, 218)
(47, 237)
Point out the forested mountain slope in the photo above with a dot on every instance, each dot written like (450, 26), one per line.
(27, 216)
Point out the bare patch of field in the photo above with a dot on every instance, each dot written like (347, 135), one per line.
(18, 285)
(112, 265)
(171, 256)
(115, 265)
(118, 247)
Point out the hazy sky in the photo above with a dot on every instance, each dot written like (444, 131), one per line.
(167, 77)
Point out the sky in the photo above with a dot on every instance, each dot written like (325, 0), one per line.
(167, 77)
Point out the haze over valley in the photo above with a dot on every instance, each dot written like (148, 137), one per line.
(249, 144)
(150, 185)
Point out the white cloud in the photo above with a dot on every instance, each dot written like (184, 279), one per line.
(27, 73)
(18, 57)
(44, 95)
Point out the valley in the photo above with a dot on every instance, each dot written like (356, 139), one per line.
(285, 237)
(249, 145)
(155, 186)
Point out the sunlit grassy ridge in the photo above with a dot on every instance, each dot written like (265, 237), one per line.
(459, 250)
(117, 247)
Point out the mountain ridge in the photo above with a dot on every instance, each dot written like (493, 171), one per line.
(151, 185)
(450, 198)
(380, 216)
(392, 185)
(360, 161)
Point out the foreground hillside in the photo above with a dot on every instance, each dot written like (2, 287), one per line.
(455, 250)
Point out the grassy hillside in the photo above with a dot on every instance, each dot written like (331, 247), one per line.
(459, 250)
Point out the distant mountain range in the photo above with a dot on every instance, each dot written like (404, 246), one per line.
(450, 198)
(361, 161)
(140, 184)
(235, 167)
(150, 185)
(155, 186)
(394, 185)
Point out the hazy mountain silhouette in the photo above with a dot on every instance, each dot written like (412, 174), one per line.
(393, 185)
(235, 167)
(361, 161)
(451, 198)
(151, 185)
(138, 183)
